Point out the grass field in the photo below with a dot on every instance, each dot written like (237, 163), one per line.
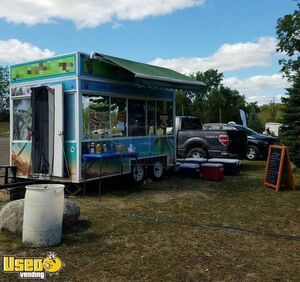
(4, 129)
(170, 231)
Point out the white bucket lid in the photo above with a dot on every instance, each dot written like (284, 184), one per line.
(189, 165)
(225, 161)
(45, 187)
(196, 159)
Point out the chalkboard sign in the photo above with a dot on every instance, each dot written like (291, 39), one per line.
(278, 169)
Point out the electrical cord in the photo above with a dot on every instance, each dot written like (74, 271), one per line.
(217, 227)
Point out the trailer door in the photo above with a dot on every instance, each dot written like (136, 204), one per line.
(47, 130)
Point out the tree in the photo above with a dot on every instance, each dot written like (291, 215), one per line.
(183, 103)
(212, 80)
(271, 112)
(215, 102)
(288, 34)
(253, 117)
(4, 94)
(223, 105)
(290, 131)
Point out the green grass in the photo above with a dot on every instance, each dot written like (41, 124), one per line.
(4, 129)
(119, 239)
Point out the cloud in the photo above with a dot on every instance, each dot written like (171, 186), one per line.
(15, 51)
(88, 13)
(260, 88)
(228, 57)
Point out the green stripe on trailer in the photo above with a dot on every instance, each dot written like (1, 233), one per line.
(46, 68)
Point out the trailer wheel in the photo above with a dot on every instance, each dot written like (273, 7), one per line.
(157, 171)
(138, 174)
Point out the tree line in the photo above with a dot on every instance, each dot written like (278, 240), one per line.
(218, 103)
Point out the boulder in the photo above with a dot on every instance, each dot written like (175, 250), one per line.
(11, 215)
(71, 213)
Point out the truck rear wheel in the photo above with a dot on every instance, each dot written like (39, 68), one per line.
(197, 153)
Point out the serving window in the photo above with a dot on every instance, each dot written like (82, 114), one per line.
(96, 116)
(106, 117)
(164, 118)
(151, 117)
(118, 117)
(136, 117)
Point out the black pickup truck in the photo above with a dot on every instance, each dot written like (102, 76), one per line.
(194, 142)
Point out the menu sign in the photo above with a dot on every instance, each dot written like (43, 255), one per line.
(278, 169)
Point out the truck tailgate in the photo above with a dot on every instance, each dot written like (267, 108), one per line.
(237, 142)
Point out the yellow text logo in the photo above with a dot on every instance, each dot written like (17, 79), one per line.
(28, 267)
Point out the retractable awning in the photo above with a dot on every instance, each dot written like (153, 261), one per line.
(153, 76)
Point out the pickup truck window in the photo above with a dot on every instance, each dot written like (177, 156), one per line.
(250, 132)
(190, 124)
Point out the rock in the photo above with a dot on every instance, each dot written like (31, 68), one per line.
(11, 215)
(71, 213)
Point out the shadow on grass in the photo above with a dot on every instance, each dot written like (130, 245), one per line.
(230, 186)
(118, 185)
(78, 233)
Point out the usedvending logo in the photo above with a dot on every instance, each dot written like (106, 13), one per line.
(32, 267)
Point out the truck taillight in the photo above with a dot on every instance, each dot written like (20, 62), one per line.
(224, 139)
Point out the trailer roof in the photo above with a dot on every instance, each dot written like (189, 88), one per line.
(154, 76)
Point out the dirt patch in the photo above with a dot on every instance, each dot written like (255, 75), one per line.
(165, 197)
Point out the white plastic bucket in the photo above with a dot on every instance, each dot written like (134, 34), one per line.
(43, 214)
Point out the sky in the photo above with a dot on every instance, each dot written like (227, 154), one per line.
(236, 37)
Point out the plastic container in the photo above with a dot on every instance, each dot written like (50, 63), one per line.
(231, 166)
(190, 170)
(92, 148)
(198, 161)
(43, 214)
(212, 171)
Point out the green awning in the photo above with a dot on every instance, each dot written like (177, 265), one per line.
(153, 76)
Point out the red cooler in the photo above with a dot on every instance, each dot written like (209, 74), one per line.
(211, 171)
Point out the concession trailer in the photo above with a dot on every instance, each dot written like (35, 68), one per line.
(74, 113)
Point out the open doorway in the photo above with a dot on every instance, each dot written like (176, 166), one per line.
(47, 130)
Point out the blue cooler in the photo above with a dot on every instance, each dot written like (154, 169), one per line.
(231, 166)
(190, 170)
(198, 161)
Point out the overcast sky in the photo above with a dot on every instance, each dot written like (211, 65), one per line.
(237, 37)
